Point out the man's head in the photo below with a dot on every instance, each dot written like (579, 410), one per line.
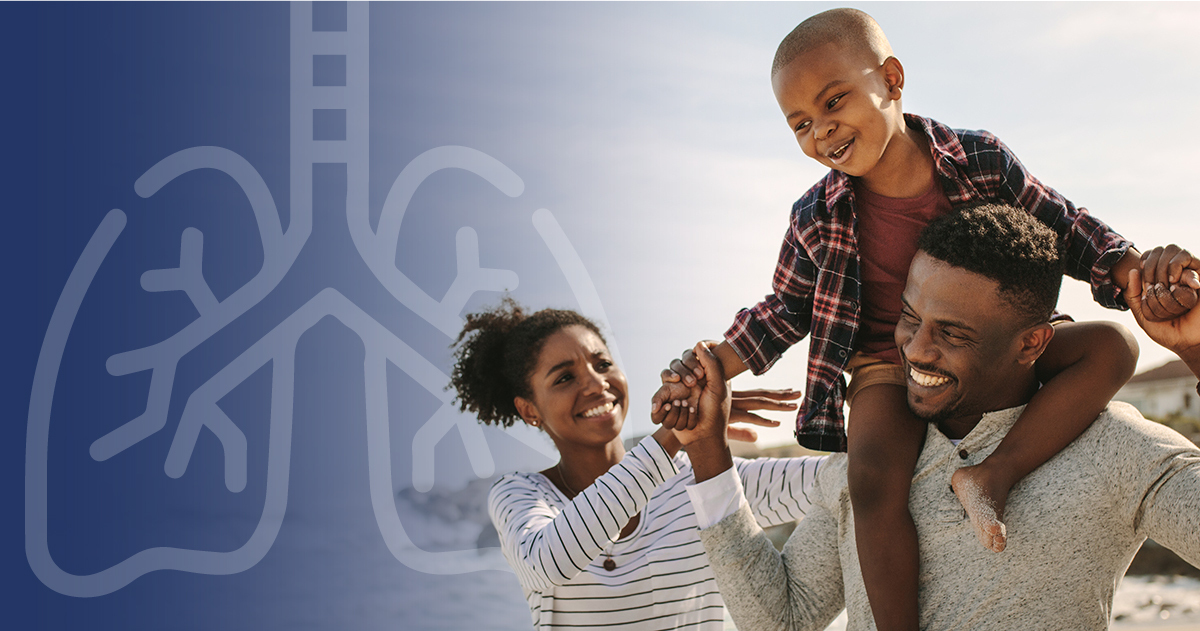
(839, 87)
(976, 311)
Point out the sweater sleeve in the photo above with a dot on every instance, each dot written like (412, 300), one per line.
(549, 544)
(800, 589)
(778, 489)
(1155, 476)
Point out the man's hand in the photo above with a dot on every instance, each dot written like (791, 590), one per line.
(1180, 334)
(1169, 284)
(675, 401)
(714, 401)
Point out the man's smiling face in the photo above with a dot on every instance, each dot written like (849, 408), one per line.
(959, 341)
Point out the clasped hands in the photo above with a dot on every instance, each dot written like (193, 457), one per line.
(701, 404)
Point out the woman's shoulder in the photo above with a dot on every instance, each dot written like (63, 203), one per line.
(521, 484)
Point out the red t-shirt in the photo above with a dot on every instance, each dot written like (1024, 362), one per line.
(888, 229)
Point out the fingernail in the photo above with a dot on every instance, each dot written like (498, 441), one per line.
(692, 410)
(689, 380)
(653, 407)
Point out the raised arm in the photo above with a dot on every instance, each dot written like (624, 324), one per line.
(1154, 475)
(548, 546)
(800, 589)
(1181, 335)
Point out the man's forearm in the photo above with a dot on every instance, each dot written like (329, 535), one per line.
(1191, 357)
(710, 457)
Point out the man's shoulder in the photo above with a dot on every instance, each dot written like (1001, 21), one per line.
(1123, 423)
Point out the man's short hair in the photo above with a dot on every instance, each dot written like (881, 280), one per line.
(1008, 246)
(850, 29)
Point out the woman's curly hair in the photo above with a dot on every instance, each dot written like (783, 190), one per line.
(495, 353)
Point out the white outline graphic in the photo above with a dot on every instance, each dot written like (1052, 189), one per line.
(280, 249)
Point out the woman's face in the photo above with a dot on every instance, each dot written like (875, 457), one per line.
(579, 394)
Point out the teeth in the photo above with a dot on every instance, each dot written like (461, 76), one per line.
(928, 381)
(840, 151)
(598, 410)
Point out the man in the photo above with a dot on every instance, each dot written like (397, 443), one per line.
(969, 347)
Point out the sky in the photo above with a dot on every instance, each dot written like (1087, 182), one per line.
(673, 170)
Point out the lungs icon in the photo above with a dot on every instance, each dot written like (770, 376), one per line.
(277, 348)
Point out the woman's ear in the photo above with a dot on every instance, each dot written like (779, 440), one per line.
(528, 411)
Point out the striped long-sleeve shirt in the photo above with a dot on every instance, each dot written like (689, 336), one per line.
(661, 578)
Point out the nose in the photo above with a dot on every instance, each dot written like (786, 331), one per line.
(594, 382)
(916, 342)
(825, 128)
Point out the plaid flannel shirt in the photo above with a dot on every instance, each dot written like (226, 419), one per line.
(817, 283)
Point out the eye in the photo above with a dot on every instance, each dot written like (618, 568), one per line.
(834, 101)
(803, 126)
(563, 378)
(956, 339)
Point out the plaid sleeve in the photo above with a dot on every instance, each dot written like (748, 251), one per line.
(763, 332)
(1090, 246)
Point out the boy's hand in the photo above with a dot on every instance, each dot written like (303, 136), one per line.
(1181, 334)
(1169, 285)
(686, 369)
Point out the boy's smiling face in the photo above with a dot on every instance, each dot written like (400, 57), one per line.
(843, 108)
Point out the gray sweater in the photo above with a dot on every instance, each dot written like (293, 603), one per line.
(1073, 527)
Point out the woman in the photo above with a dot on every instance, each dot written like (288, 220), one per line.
(604, 538)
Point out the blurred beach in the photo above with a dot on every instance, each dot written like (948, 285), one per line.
(446, 520)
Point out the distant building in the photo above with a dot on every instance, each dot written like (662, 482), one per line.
(1163, 392)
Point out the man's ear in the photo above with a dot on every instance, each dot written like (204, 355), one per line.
(893, 76)
(1034, 341)
(528, 411)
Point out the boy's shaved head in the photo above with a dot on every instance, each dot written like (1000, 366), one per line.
(850, 29)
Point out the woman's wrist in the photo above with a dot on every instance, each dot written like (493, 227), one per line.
(667, 439)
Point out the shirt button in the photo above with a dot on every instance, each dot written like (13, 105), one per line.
(842, 354)
(962, 453)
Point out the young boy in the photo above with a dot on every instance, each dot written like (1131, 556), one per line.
(840, 276)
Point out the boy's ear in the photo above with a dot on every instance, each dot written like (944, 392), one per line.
(1033, 342)
(528, 411)
(893, 76)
